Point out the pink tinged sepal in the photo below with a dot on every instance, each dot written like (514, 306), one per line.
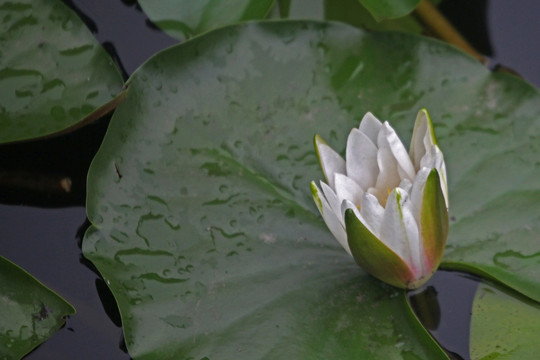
(374, 256)
(433, 221)
(379, 260)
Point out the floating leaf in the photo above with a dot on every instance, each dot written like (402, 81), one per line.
(349, 11)
(53, 72)
(30, 313)
(203, 221)
(503, 325)
(184, 19)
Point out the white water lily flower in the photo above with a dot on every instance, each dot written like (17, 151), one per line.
(387, 207)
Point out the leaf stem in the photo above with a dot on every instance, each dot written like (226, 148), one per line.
(428, 14)
(38, 182)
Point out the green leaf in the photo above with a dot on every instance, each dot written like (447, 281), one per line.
(184, 19)
(53, 73)
(30, 313)
(389, 9)
(503, 325)
(204, 226)
(434, 220)
(498, 238)
(203, 221)
(349, 11)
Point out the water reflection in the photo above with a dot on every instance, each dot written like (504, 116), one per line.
(426, 306)
(444, 306)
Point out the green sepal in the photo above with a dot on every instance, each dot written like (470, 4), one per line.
(374, 256)
(316, 196)
(433, 220)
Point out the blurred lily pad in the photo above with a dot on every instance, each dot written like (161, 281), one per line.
(203, 223)
(53, 73)
(30, 313)
(389, 9)
(348, 11)
(184, 19)
(503, 325)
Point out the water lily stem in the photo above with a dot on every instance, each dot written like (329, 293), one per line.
(428, 14)
(37, 182)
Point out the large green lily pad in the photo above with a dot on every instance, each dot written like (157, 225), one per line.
(53, 72)
(184, 19)
(203, 223)
(503, 326)
(30, 313)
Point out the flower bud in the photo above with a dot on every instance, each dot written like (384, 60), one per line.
(387, 207)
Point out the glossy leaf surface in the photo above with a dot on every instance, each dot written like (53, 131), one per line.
(503, 325)
(184, 19)
(52, 71)
(30, 313)
(203, 219)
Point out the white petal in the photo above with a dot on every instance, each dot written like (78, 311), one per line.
(332, 219)
(370, 126)
(431, 158)
(403, 174)
(441, 168)
(331, 161)
(333, 201)
(349, 205)
(399, 230)
(413, 235)
(361, 155)
(417, 192)
(392, 232)
(406, 185)
(422, 138)
(388, 138)
(335, 227)
(444, 181)
(434, 159)
(346, 204)
(348, 189)
(388, 175)
(372, 212)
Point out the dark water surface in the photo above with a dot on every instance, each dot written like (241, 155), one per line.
(41, 227)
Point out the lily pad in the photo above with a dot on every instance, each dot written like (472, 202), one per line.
(203, 222)
(184, 19)
(348, 11)
(30, 312)
(510, 334)
(53, 73)
(353, 13)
